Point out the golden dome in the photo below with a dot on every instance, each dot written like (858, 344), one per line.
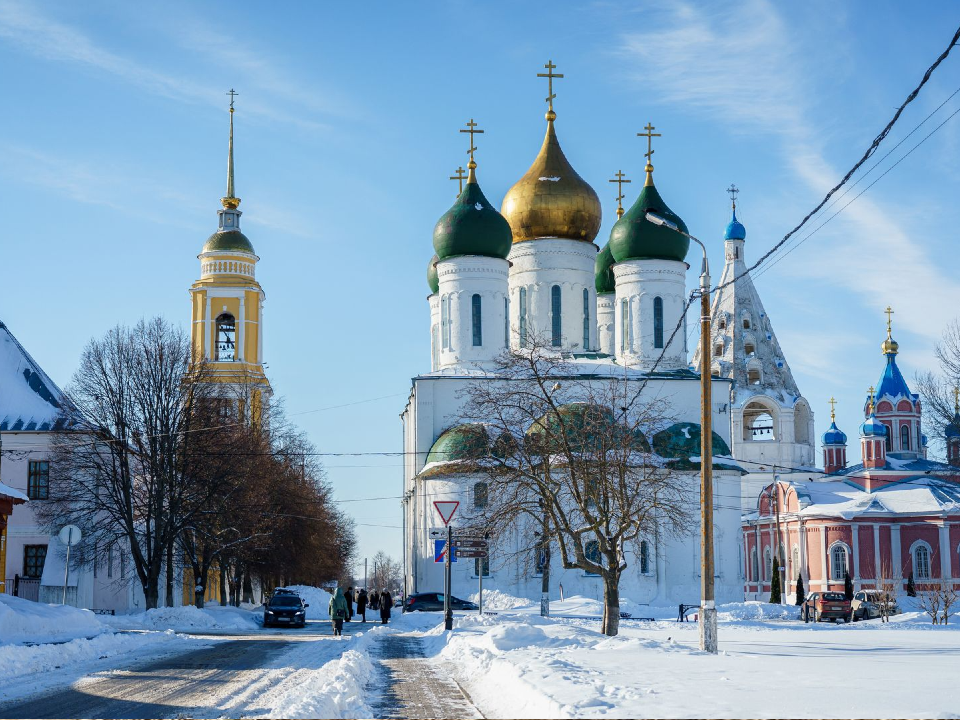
(552, 200)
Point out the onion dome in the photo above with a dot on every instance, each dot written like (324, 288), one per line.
(634, 237)
(471, 226)
(551, 199)
(834, 435)
(469, 441)
(432, 280)
(682, 440)
(735, 230)
(872, 427)
(229, 241)
(603, 273)
(585, 427)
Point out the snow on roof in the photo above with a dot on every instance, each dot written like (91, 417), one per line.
(919, 495)
(29, 399)
(12, 493)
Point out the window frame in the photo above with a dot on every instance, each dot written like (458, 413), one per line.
(481, 565)
(476, 315)
(658, 322)
(644, 558)
(588, 547)
(34, 557)
(586, 319)
(556, 309)
(38, 479)
(925, 565)
(225, 320)
(523, 317)
(905, 436)
(836, 572)
(484, 493)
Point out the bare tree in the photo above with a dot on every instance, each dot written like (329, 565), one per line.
(566, 459)
(119, 475)
(387, 573)
(937, 388)
(889, 583)
(938, 599)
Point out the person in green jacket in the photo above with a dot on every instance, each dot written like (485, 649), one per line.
(338, 612)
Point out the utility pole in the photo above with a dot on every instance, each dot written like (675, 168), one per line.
(543, 557)
(779, 548)
(447, 585)
(364, 573)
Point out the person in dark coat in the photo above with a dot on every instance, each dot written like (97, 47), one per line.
(362, 605)
(348, 595)
(374, 601)
(386, 602)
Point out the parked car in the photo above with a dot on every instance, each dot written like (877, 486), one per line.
(285, 609)
(867, 604)
(826, 606)
(431, 601)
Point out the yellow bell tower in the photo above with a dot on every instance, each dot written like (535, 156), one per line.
(227, 328)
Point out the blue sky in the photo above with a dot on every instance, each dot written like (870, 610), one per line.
(112, 161)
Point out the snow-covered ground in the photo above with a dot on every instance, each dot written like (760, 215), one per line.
(187, 619)
(23, 621)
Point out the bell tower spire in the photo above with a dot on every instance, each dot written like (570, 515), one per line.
(230, 201)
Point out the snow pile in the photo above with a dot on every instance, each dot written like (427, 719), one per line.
(317, 598)
(755, 610)
(24, 621)
(187, 618)
(335, 690)
(495, 600)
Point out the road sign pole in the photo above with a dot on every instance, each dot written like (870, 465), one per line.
(447, 609)
(481, 588)
(66, 572)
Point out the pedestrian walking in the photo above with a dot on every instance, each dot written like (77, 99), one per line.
(349, 598)
(386, 602)
(362, 605)
(338, 612)
(374, 601)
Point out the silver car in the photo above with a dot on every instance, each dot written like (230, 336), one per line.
(867, 605)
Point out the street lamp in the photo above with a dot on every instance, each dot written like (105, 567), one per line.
(708, 607)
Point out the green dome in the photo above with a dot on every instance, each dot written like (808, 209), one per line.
(432, 280)
(232, 240)
(469, 441)
(588, 428)
(682, 440)
(635, 238)
(472, 227)
(603, 273)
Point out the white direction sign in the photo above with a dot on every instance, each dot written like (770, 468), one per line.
(70, 535)
(446, 509)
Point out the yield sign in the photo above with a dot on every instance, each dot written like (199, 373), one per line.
(446, 509)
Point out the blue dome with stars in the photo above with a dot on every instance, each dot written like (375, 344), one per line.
(735, 229)
(834, 436)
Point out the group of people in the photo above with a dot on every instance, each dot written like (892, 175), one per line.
(342, 605)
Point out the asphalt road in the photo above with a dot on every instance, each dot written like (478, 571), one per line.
(198, 683)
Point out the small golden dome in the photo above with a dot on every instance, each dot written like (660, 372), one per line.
(889, 346)
(551, 199)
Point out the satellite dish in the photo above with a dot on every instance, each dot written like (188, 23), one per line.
(70, 535)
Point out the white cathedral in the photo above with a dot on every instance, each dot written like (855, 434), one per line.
(534, 268)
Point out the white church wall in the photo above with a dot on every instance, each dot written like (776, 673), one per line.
(460, 279)
(606, 317)
(639, 283)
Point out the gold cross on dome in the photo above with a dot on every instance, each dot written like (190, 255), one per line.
(550, 75)
(889, 313)
(232, 95)
(461, 176)
(649, 135)
(833, 407)
(472, 129)
(870, 392)
(619, 179)
(733, 191)
(956, 398)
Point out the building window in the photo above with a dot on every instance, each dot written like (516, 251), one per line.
(749, 349)
(477, 318)
(623, 325)
(523, 317)
(226, 338)
(796, 561)
(555, 329)
(435, 346)
(888, 437)
(445, 322)
(746, 323)
(767, 563)
(722, 323)
(38, 480)
(921, 562)
(586, 319)
(904, 437)
(754, 565)
(753, 376)
(33, 559)
(480, 493)
(591, 551)
(718, 349)
(838, 562)
(658, 322)
(110, 561)
(481, 567)
(506, 322)
(644, 557)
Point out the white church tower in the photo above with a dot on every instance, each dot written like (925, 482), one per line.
(771, 423)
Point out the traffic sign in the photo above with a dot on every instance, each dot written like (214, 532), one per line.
(470, 553)
(476, 544)
(440, 551)
(446, 509)
(438, 533)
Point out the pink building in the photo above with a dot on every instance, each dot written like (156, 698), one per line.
(894, 515)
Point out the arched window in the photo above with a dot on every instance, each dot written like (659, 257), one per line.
(658, 322)
(586, 319)
(767, 563)
(480, 492)
(591, 550)
(746, 323)
(754, 565)
(477, 314)
(624, 325)
(838, 562)
(523, 317)
(226, 338)
(718, 348)
(921, 562)
(555, 328)
(506, 322)
(759, 422)
(753, 376)
(444, 322)
(722, 323)
(888, 437)
(435, 346)
(644, 557)
(904, 437)
(796, 561)
(749, 349)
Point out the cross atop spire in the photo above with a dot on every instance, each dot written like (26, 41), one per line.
(733, 191)
(232, 93)
(956, 399)
(459, 176)
(619, 179)
(870, 391)
(230, 202)
(833, 407)
(889, 313)
(649, 135)
(472, 129)
(550, 75)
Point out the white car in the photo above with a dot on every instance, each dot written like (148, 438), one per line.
(867, 604)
